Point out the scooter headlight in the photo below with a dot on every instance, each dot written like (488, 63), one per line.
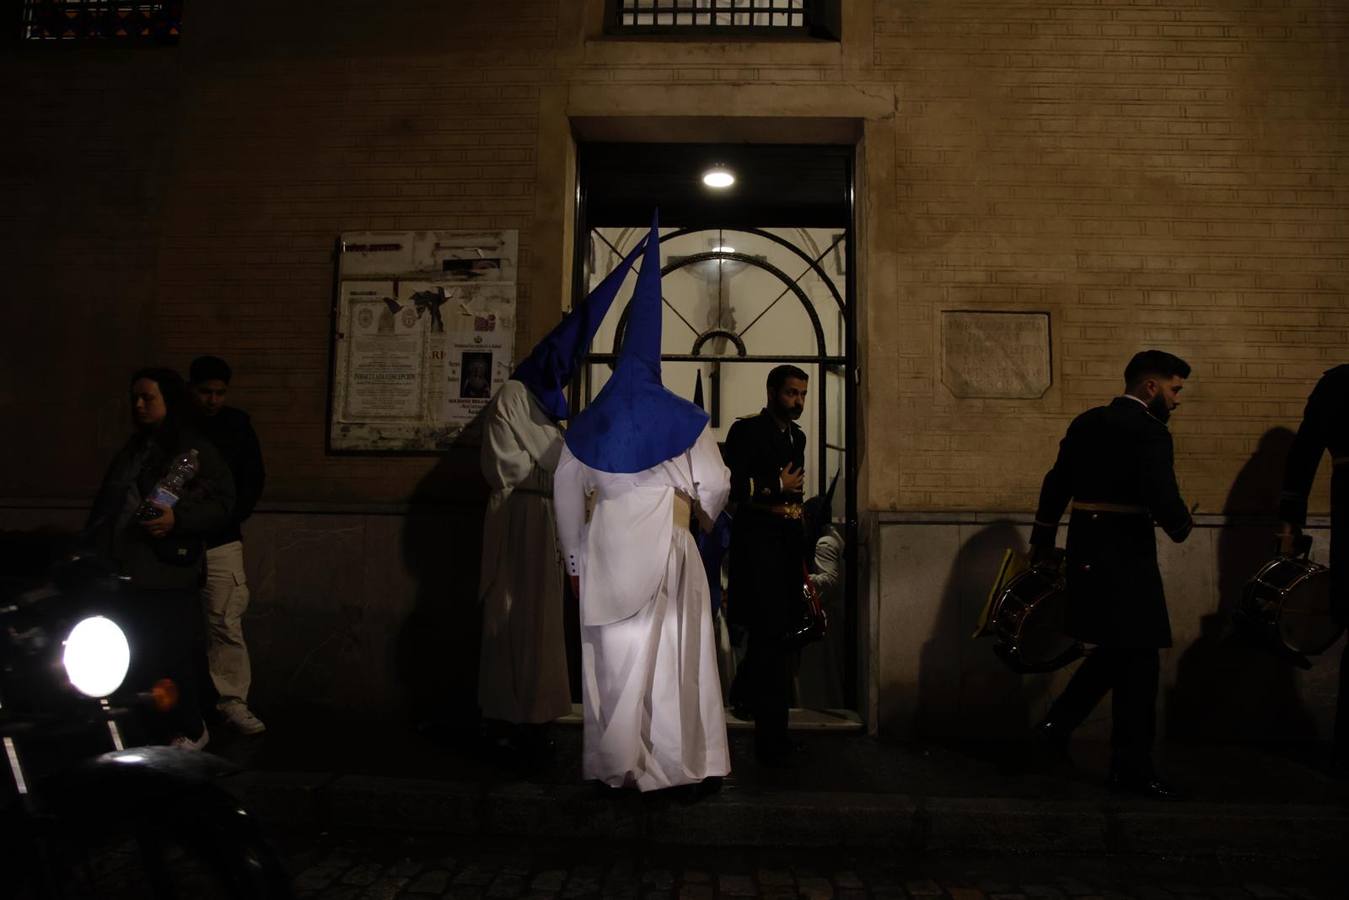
(96, 656)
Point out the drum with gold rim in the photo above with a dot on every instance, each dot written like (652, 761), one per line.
(1286, 607)
(1027, 622)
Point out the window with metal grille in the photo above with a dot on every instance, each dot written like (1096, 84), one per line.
(744, 18)
(83, 20)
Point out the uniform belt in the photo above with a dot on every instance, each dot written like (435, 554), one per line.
(781, 510)
(683, 511)
(1120, 508)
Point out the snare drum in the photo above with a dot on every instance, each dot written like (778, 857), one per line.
(1027, 621)
(1287, 608)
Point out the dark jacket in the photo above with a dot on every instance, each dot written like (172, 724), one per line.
(173, 562)
(233, 435)
(1118, 456)
(1325, 427)
(766, 550)
(756, 451)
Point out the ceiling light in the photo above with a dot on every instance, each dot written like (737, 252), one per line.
(723, 249)
(718, 177)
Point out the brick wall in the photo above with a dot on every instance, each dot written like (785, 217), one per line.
(1156, 174)
(1153, 174)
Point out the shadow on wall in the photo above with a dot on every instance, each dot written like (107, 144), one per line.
(964, 690)
(1226, 688)
(437, 646)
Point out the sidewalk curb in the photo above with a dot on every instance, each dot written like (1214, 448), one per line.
(743, 817)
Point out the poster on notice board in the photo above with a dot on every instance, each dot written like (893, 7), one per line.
(424, 335)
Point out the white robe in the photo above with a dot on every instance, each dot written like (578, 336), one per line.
(652, 698)
(522, 673)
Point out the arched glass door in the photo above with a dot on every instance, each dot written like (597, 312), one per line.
(736, 303)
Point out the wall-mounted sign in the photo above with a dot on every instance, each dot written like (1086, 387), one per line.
(424, 334)
(993, 354)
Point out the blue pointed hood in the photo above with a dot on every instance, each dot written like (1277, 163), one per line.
(635, 423)
(554, 360)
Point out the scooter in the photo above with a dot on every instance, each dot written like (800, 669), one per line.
(86, 813)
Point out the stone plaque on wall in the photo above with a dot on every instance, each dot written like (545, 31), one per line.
(1001, 355)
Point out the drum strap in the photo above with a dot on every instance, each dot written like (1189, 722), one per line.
(1122, 508)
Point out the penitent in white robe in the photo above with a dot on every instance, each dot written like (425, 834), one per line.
(522, 675)
(652, 698)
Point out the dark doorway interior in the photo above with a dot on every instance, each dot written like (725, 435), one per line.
(754, 275)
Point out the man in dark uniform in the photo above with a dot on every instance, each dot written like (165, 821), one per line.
(1325, 426)
(1115, 465)
(767, 455)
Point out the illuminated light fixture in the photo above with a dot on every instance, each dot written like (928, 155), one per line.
(718, 177)
(97, 656)
(723, 249)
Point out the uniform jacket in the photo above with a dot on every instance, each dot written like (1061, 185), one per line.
(1117, 455)
(1325, 427)
(173, 562)
(766, 551)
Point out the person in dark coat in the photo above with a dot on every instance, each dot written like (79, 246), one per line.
(225, 593)
(162, 556)
(1325, 427)
(766, 454)
(1115, 464)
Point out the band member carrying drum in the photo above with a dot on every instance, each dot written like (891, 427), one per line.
(1115, 465)
(1325, 426)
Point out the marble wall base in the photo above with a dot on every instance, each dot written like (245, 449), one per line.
(375, 613)
(357, 613)
(931, 678)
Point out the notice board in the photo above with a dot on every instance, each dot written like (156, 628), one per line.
(423, 335)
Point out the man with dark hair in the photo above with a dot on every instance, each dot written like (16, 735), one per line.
(225, 594)
(1115, 464)
(767, 456)
(162, 554)
(1325, 427)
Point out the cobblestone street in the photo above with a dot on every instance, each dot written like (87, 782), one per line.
(382, 866)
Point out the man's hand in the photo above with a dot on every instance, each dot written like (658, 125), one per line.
(1286, 540)
(575, 586)
(161, 525)
(792, 480)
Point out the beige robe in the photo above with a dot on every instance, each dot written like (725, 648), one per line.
(522, 674)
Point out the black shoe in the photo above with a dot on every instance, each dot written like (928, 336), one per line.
(1053, 740)
(710, 785)
(1149, 786)
(779, 755)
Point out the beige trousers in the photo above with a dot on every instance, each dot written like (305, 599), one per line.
(225, 597)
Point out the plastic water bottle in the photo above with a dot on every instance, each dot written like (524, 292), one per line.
(169, 488)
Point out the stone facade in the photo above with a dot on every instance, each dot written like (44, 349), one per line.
(1146, 174)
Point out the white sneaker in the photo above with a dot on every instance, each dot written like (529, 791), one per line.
(238, 716)
(183, 742)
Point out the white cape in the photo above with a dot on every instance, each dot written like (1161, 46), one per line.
(652, 697)
(522, 674)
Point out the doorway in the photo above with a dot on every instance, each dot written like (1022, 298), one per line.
(753, 276)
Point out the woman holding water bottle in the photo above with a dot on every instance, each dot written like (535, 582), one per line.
(165, 489)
